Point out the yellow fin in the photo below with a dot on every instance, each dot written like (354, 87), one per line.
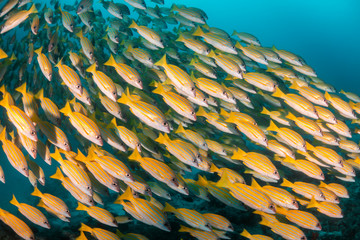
(14, 201)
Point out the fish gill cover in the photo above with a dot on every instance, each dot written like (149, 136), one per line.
(132, 120)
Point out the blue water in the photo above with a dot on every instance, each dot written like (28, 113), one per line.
(325, 33)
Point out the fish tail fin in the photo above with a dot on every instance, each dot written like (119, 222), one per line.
(231, 118)
(313, 203)
(245, 233)
(212, 54)
(81, 236)
(85, 228)
(57, 156)
(201, 112)
(278, 93)
(202, 181)
(184, 229)
(14, 201)
(238, 45)
(295, 86)
(111, 61)
(169, 208)
(81, 157)
(234, 33)
(112, 124)
(59, 64)
(181, 38)
(40, 94)
(67, 109)
(265, 111)
(39, 50)
(92, 68)
(3, 134)
(198, 32)
(291, 116)
(174, 7)
(159, 89)
(273, 48)
(281, 210)
(5, 102)
(342, 91)
(36, 192)
(79, 34)
(193, 61)
(239, 154)
(127, 195)
(161, 139)
(272, 127)
(21, 88)
(224, 181)
(41, 204)
(214, 168)
(125, 97)
(264, 221)
(162, 62)
(135, 155)
(33, 9)
(129, 48)
(180, 129)
(289, 160)
(322, 184)
(133, 24)
(327, 96)
(286, 183)
(58, 175)
(224, 113)
(255, 184)
(81, 207)
(309, 146)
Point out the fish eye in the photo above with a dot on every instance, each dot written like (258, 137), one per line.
(67, 211)
(127, 175)
(318, 225)
(239, 71)
(147, 190)
(303, 238)
(91, 201)
(192, 113)
(322, 195)
(33, 133)
(232, 47)
(265, 140)
(138, 145)
(114, 222)
(204, 100)
(207, 225)
(294, 202)
(81, 7)
(271, 206)
(204, 144)
(98, 137)
(193, 89)
(33, 150)
(194, 160)
(276, 172)
(198, 156)
(149, 59)
(225, 93)
(78, 86)
(165, 123)
(24, 169)
(45, 222)
(185, 188)
(88, 187)
(114, 93)
(65, 144)
(114, 184)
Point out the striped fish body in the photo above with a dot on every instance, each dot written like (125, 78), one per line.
(14, 155)
(218, 222)
(29, 145)
(16, 224)
(53, 202)
(54, 134)
(22, 122)
(100, 214)
(104, 83)
(261, 81)
(214, 89)
(16, 19)
(252, 197)
(67, 20)
(31, 213)
(227, 64)
(149, 34)
(70, 78)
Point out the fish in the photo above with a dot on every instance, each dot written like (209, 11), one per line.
(16, 19)
(189, 216)
(86, 127)
(44, 64)
(99, 232)
(100, 214)
(16, 224)
(53, 202)
(31, 213)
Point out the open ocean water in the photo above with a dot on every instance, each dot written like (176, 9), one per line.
(324, 33)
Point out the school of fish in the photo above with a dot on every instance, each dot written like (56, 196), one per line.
(151, 103)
